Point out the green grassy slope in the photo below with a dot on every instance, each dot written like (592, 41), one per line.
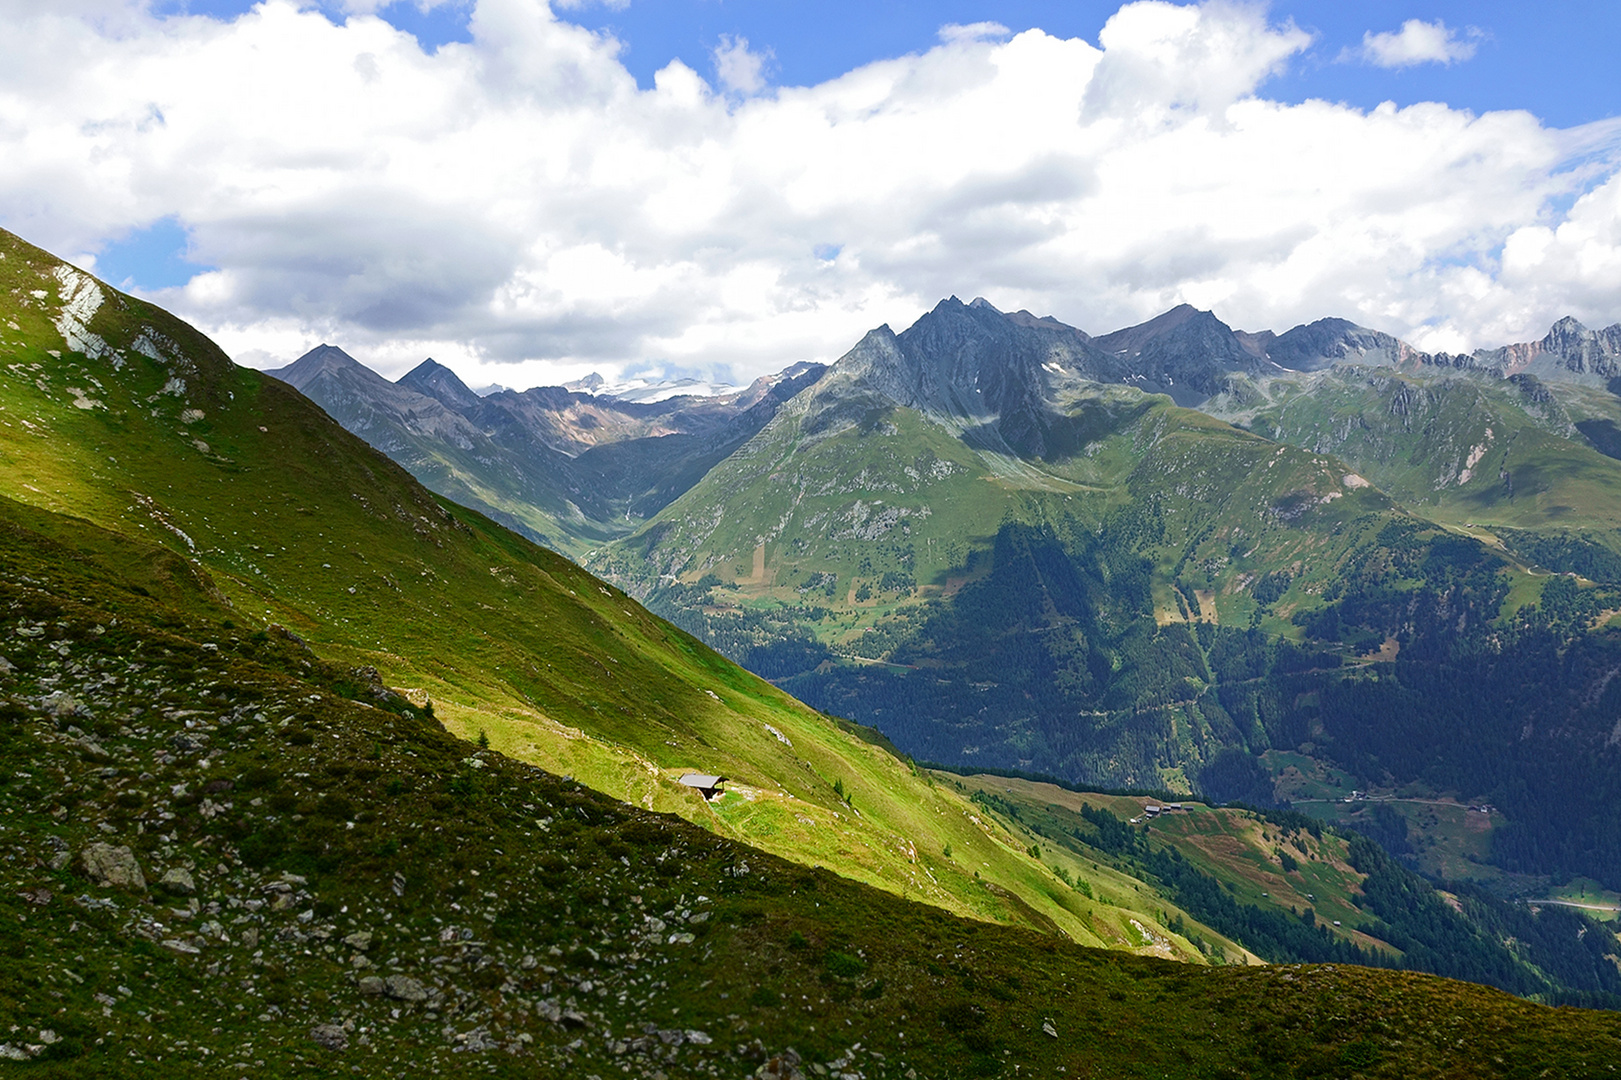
(1500, 458)
(331, 884)
(299, 524)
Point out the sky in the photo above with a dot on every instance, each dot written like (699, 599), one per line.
(530, 192)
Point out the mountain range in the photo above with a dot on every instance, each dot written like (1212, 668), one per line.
(292, 733)
(1003, 541)
(563, 467)
(574, 469)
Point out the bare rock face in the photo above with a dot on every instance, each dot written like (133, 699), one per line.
(1584, 351)
(114, 867)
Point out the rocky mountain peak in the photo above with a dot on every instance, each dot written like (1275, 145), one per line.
(1026, 319)
(1567, 327)
(1186, 352)
(1131, 340)
(591, 384)
(1315, 345)
(1582, 351)
(437, 381)
(970, 364)
(972, 360)
(322, 360)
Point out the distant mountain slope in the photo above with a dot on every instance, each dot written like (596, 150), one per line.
(567, 469)
(437, 381)
(1569, 352)
(883, 496)
(1517, 460)
(530, 490)
(1281, 875)
(961, 537)
(574, 470)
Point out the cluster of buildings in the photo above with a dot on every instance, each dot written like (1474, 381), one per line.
(1154, 810)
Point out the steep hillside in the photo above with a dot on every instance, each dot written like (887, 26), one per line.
(115, 412)
(226, 855)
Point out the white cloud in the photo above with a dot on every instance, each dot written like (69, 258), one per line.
(372, 7)
(611, 5)
(954, 33)
(738, 69)
(1159, 56)
(1419, 42)
(518, 208)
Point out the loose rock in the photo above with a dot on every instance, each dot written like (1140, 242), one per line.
(113, 866)
(177, 881)
(404, 988)
(331, 1036)
(784, 1066)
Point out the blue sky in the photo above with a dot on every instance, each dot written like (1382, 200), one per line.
(1555, 59)
(703, 190)
(150, 257)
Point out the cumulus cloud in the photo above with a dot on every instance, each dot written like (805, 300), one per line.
(519, 208)
(1419, 42)
(1159, 56)
(740, 70)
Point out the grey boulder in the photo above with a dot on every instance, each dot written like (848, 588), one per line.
(114, 867)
